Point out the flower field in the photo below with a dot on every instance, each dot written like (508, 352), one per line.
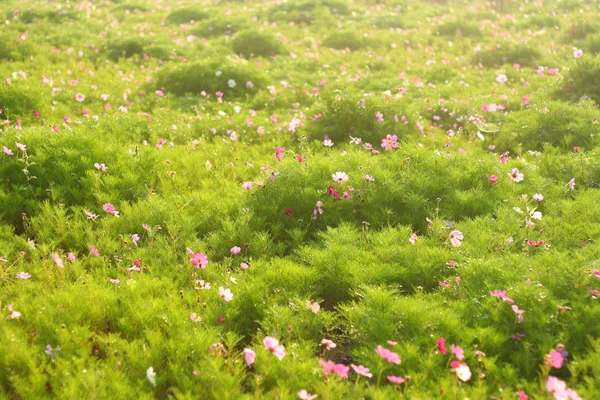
(360, 199)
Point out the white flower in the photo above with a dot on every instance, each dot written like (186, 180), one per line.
(231, 83)
(340, 177)
(151, 375)
(463, 372)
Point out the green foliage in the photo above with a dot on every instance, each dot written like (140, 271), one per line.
(198, 77)
(125, 48)
(251, 43)
(508, 54)
(345, 40)
(579, 76)
(186, 15)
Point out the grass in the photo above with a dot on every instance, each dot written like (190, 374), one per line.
(181, 181)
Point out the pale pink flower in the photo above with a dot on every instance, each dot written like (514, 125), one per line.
(79, 97)
(571, 184)
(304, 395)
(249, 356)
(23, 275)
(14, 314)
(362, 370)
(8, 151)
(369, 178)
(456, 238)
(90, 215)
(313, 306)
(71, 257)
(515, 175)
(328, 344)
(559, 389)
(235, 250)
(379, 116)
(195, 317)
(274, 347)
(458, 352)
(135, 238)
(279, 153)
(57, 260)
(101, 167)
(338, 369)
(538, 197)
(525, 100)
(203, 285)
(200, 260)
(225, 294)
(247, 185)
(520, 318)
(114, 281)
(577, 53)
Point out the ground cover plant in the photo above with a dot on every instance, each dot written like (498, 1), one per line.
(364, 199)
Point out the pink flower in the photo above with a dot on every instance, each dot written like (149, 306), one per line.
(502, 295)
(200, 260)
(538, 197)
(94, 251)
(413, 239)
(379, 116)
(519, 313)
(577, 53)
(525, 100)
(235, 250)
(515, 175)
(492, 178)
(388, 355)
(71, 257)
(389, 142)
(441, 343)
(114, 281)
(571, 184)
(109, 208)
(159, 93)
(249, 356)
(195, 318)
(596, 273)
(555, 359)
(101, 167)
(57, 260)
(135, 238)
(328, 344)
(8, 151)
(456, 238)
(279, 153)
(523, 395)
(225, 294)
(504, 158)
(79, 97)
(362, 370)
(458, 352)
(395, 379)
(274, 347)
(338, 369)
(313, 306)
(304, 395)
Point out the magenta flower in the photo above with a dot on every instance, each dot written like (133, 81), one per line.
(442, 345)
(492, 178)
(388, 355)
(596, 273)
(362, 370)
(555, 359)
(109, 208)
(249, 356)
(279, 153)
(395, 379)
